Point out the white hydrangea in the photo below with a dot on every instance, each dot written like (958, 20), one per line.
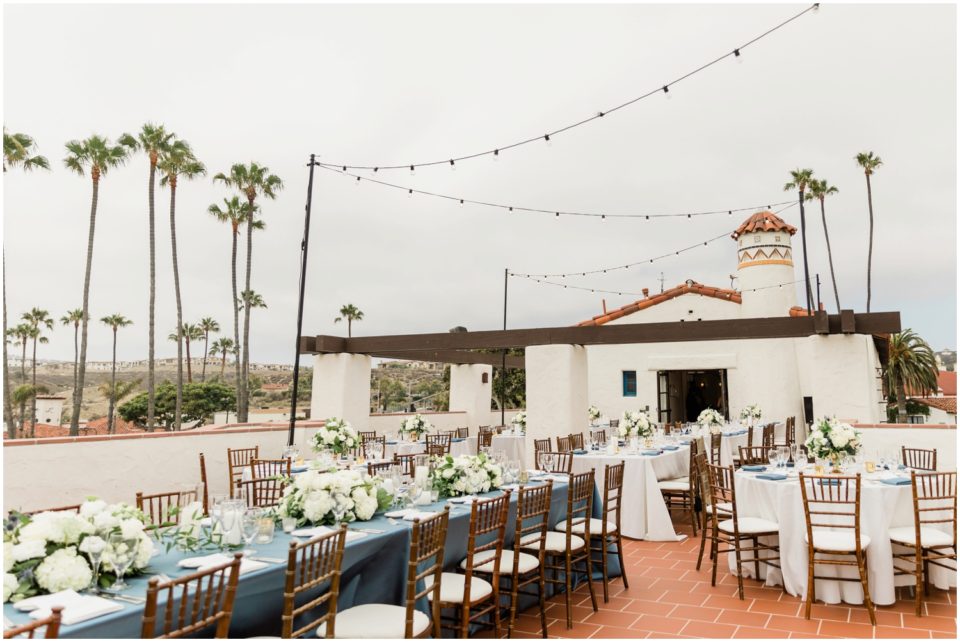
(10, 585)
(7, 556)
(63, 569)
(131, 528)
(92, 507)
(29, 550)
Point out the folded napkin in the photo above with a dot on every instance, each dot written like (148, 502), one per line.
(76, 608)
(580, 451)
(465, 499)
(772, 476)
(457, 440)
(216, 559)
(410, 514)
(299, 469)
(313, 531)
(671, 447)
(753, 468)
(651, 452)
(896, 481)
(392, 443)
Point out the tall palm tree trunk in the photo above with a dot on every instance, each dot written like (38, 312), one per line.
(82, 369)
(826, 235)
(349, 327)
(186, 341)
(806, 267)
(901, 401)
(76, 350)
(33, 398)
(236, 322)
(870, 250)
(151, 381)
(23, 379)
(7, 400)
(113, 385)
(176, 288)
(206, 347)
(223, 364)
(246, 320)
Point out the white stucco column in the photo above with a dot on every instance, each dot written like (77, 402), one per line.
(471, 389)
(556, 393)
(341, 388)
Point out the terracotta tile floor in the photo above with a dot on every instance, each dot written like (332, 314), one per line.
(669, 598)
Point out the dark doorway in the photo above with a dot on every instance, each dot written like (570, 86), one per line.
(683, 394)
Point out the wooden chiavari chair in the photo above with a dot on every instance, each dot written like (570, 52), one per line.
(367, 434)
(830, 503)
(437, 450)
(485, 429)
(194, 602)
(484, 440)
(736, 456)
(576, 441)
(237, 460)
(440, 439)
(789, 432)
(562, 463)
(268, 478)
(407, 463)
(754, 455)
(375, 468)
(158, 506)
(565, 444)
(470, 596)
(524, 569)
(49, 624)
(463, 433)
(206, 485)
(681, 493)
(392, 621)
(716, 439)
(375, 447)
(564, 550)
(769, 436)
(919, 458)
(599, 436)
(731, 530)
(614, 423)
(312, 565)
(707, 504)
(540, 446)
(934, 503)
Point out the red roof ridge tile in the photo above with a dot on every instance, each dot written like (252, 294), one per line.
(690, 287)
(765, 221)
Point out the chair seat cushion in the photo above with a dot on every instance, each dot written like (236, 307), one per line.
(749, 525)
(483, 562)
(837, 540)
(682, 485)
(452, 587)
(596, 527)
(928, 536)
(556, 542)
(375, 621)
(722, 507)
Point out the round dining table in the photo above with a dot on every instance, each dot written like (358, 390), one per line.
(882, 506)
(644, 513)
(461, 446)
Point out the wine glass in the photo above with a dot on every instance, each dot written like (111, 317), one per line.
(249, 524)
(546, 462)
(94, 547)
(228, 518)
(121, 554)
(773, 456)
(784, 456)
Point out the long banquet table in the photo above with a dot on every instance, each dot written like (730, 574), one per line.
(373, 571)
(883, 506)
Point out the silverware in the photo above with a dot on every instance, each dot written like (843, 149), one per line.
(129, 599)
(267, 560)
(373, 531)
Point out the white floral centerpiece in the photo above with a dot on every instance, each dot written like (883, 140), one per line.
(415, 426)
(594, 413)
(330, 497)
(44, 553)
(336, 436)
(831, 439)
(519, 421)
(634, 422)
(710, 419)
(465, 475)
(750, 414)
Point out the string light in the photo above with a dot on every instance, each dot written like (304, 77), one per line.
(555, 212)
(593, 289)
(665, 89)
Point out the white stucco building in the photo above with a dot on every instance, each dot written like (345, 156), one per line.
(839, 373)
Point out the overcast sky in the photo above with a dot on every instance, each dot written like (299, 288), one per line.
(398, 84)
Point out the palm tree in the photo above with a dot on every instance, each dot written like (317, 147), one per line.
(222, 346)
(24, 393)
(154, 140)
(820, 190)
(911, 364)
(115, 321)
(20, 334)
(176, 162)
(208, 325)
(253, 299)
(18, 151)
(254, 181)
(74, 317)
(801, 180)
(98, 155)
(234, 212)
(188, 332)
(37, 319)
(350, 313)
(869, 162)
(115, 393)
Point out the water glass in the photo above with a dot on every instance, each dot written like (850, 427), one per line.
(774, 457)
(288, 524)
(121, 554)
(265, 529)
(249, 524)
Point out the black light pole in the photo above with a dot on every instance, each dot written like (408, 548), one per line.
(303, 287)
(503, 363)
(818, 293)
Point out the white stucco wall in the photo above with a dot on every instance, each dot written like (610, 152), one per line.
(840, 373)
(688, 307)
(556, 391)
(341, 387)
(470, 393)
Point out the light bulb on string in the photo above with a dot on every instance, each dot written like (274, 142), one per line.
(816, 7)
(666, 91)
(546, 137)
(496, 154)
(453, 166)
(409, 193)
(413, 170)
(737, 56)
(461, 202)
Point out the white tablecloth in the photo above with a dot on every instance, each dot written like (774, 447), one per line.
(513, 446)
(644, 513)
(731, 442)
(882, 507)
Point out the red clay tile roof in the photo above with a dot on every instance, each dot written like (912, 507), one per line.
(694, 288)
(95, 427)
(763, 222)
(798, 311)
(947, 404)
(947, 382)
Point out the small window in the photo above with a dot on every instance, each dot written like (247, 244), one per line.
(756, 238)
(777, 238)
(629, 383)
(485, 378)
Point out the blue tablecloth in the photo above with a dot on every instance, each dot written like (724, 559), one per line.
(373, 571)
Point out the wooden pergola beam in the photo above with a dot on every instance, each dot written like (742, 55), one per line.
(441, 343)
